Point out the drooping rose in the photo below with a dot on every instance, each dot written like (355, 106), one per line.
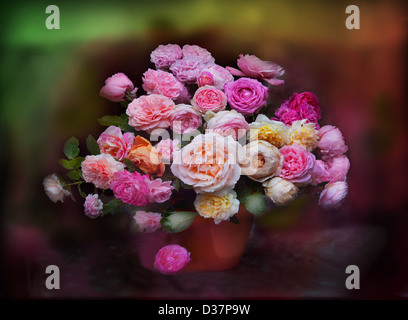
(333, 195)
(54, 189)
(209, 98)
(171, 259)
(116, 87)
(297, 164)
(165, 55)
(113, 142)
(146, 157)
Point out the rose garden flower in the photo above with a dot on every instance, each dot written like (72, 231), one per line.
(228, 123)
(162, 82)
(280, 191)
(147, 221)
(171, 259)
(117, 86)
(185, 119)
(214, 75)
(165, 55)
(159, 191)
(166, 148)
(338, 167)
(131, 188)
(320, 172)
(333, 195)
(194, 51)
(209, 98)
(113, 142)
(93, 206)
(303, 134)
(274, 132)
(187, 69)
(297, 164)
(331, 142)
(54, 189)
(146, 157)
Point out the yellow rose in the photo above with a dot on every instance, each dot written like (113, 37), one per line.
(303, 134)
(274, 132)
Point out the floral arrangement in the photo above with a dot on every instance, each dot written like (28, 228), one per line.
(198, 141)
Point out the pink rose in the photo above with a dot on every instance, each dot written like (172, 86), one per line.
(197, 52)
(166, 148)
(93, 206)
(209, 98)
(116, 87)
(187, 69)
(150, 112)
(113, 142)
(228, 123)
(246, 95)
(333, 195)
(171, 259)
(131, 188)
(208, 163)
(100, 169)
(320, 172)
(252, 66)
(338, 167)
(162, 82)
(159, 191)
(331, 142)
(165, 55)
(297, 164)
(185, 119)
(147, 221)
(184, 96)
(214, 75)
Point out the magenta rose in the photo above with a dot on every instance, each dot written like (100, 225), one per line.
(209, 98)
(160, 191)
(185, 119)
(246, 95)
(116, 87)
(171, 259)
(205, 79)
(162, 82)
(113, 142)
(131, 188)
(333, 195)
(187, 69)
(297, 164)
(331, 142)
(338, 167)
(165, 55)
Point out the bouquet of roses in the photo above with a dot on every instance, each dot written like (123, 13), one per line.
(198, 142)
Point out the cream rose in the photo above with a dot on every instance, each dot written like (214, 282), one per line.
(54, 189)
(274, 132)
(280, 191)
(303, 134)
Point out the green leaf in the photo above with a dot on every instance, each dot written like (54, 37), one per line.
(176, 184)
(74, 175)
(118, 121)
(130, 166)
(92, 145)
(185, 186)
(71, 164)
(71, 148)
(256, 203)
(112, 206)
(178, 221)
(81, 193)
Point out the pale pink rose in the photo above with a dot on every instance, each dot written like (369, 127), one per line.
(159, 191)
(185, 119)
(297, 164)
(171, 259)
(320, 172)
(187, 69)
(113, 142)
(338, 167)
(214, 75)
(116, 86)
(209, 98)
(331, 142)
(209, 163)
(228, 123)
(54, 189)
(150, 112)
(162, 82)
(184, 96)
(147, 221)
(100, 169)
(197, 52)
(93, 206)
(333, 195)
(131, 188)
(254, 67)
(167, 147)
(165, 55)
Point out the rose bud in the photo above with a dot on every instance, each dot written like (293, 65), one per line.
(116, 86)
(331, 141)
(333, 195)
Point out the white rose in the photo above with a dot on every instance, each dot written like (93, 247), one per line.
(54, 189)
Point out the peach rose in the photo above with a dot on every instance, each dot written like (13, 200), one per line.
(146, 157)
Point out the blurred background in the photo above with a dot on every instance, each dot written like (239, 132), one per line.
(50, 82)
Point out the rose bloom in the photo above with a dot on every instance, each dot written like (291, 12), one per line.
(166, 148)
(116, 86)
(228, 123)
(331, 142)
(246, 95)
(150, 112)
(214, 75)
(252, 66)
(54, 189)
(146, 157)
(280, 191)
(297, 164)
(171, 259)
(184, 96)
(261, 161)
(147, 221)
(218, 206)
(303, 134)
(320, 172)
(165, 55)
(333, 195)
(131, 188)
(100, 169)
(209, 98)
(160, 191)
(185, 119)
(162, 82)
(274, 132)
(209, 163)
(187, 69)
(113, 142)
(338, 167)
(93, 206)
(194, 51)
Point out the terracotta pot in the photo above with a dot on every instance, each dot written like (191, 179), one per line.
(213, 247)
